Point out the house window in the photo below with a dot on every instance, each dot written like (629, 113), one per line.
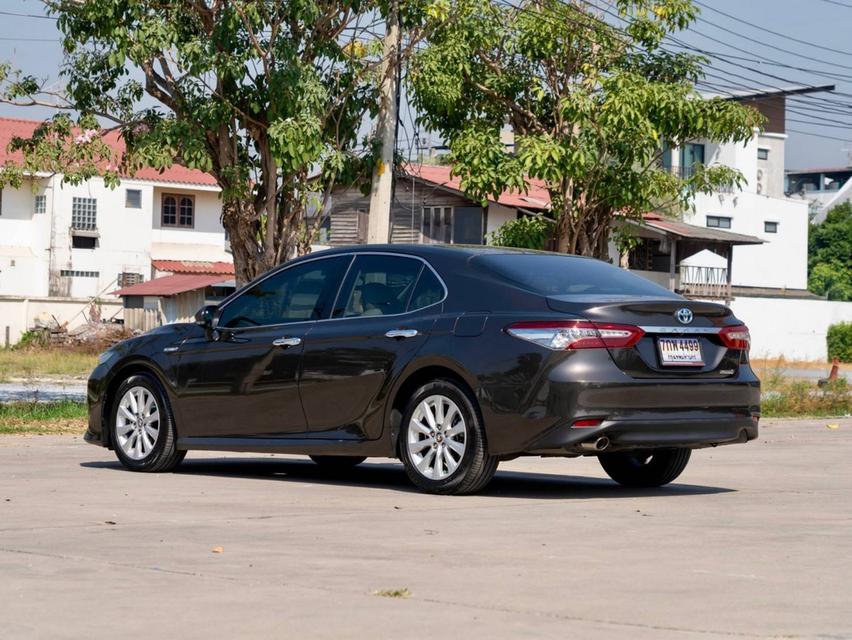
(40, 205)
(763, 154)
(84, 242)
(84, 214)
(690, 155)
(718, 222)
(456, 225)
(126, 279)
(178, 211)
(133, 199)
(770, 227)
(72, 273)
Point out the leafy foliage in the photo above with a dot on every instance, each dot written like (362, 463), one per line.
(839, 339)
(591, 106)
(526, 232)
(267, 96)
(830, 254)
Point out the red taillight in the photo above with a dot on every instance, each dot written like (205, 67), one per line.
(586, 423)
(736, 337)
(577, 334)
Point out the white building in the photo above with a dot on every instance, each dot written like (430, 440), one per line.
(760, 208)
(71, 244)
(822, 188)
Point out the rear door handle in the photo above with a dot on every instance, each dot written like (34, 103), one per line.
(286, 342)
(401, 333)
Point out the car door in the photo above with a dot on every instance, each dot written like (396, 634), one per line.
(241, 379)
(383, 315)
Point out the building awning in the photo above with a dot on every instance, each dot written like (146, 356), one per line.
(682, 231)
(194, 266)
(172, 285)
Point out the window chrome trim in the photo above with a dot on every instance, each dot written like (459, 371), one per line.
(681, 330)
(352, 256)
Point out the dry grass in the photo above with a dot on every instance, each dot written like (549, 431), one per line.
(763, 365)
(41, 363)
(43, 417)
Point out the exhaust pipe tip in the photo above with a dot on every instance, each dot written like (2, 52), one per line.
(600, 444)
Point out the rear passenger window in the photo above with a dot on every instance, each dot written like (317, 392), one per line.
(378, 286)
(428, 291)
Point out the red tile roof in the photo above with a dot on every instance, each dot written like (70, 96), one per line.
(192, 266)
(172, 285)
(177, 174)
(536, 197)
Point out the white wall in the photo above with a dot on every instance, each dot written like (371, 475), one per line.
(497, 216)
(19, 313)
(128, 238)
(205, 241)
(792, 328)
(24, 240)
(782, 261)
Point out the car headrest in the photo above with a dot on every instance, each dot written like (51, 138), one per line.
(375, 295)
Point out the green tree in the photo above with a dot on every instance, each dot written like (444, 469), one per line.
(830, 254)
(592, 107)
(267, 96)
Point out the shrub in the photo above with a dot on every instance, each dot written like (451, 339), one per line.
(839, 339)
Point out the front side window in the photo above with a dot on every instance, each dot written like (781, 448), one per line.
(718, 222)
(302, 292)
(84, 214)
(378, 286)
(178, 211)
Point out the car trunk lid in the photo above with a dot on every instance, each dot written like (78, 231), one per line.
(672, 327)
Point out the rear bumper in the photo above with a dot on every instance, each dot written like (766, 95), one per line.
(692, 430)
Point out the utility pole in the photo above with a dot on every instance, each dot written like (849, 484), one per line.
(378, 229)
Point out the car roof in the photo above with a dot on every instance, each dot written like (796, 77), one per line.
(426, 250)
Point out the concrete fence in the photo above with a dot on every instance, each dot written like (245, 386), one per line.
(792, 328)
(17, 314)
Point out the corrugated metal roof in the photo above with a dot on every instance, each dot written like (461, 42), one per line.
(172, 285)
(177, 174)
(194, 266)
(693, 232)
(536, 197)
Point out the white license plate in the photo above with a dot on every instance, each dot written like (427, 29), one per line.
(680, 352)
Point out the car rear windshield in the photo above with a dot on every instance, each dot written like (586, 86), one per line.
(555, 275)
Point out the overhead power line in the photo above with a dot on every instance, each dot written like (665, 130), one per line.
(774, 33)
(26, 15)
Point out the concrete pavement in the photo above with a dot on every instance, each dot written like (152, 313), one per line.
(752, 541)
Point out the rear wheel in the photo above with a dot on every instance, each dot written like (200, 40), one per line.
(338, 462)
(442, 441)
(142, 428)
(645, 467)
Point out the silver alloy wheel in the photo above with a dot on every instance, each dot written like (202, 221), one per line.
(137, 422)
(437, 437)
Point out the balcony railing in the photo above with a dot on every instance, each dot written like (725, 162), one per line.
(705, 282)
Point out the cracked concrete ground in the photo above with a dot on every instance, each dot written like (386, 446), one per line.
(752, 541)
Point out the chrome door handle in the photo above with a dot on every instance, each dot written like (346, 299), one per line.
(286, 342)
(401, 333)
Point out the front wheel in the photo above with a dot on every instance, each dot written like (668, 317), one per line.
(645, 467)
(442, 441)
(142, 427)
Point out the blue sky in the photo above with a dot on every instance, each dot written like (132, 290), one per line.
(33, 45)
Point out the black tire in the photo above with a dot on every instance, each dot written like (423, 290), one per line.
(338, 463)
(475, 467)
(645, 467)
(164, 455)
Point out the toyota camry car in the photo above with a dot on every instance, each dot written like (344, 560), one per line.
(448, 358)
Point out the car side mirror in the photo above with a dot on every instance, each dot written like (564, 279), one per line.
(206, 315)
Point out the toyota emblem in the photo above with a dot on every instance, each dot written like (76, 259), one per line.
(684, 315)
